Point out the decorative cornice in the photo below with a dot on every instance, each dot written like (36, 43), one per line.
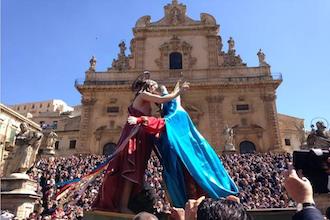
(194, 84)
(181, 31)
(251, 129)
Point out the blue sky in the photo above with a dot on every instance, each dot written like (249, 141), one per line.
(46, 44)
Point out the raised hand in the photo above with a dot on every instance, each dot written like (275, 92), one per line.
(299, 189)
(185, 86)
(132, 120)
(177, 86)
(191, 208)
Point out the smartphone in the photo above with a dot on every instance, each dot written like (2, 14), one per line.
(315, 166)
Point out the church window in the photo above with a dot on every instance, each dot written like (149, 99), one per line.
(175, 60)
(113, 109)
(242, 107)
(72, 144)
(57, 144)
(287, 142)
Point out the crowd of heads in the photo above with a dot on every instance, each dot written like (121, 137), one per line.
(154, 181)
(49, 172)
(258, 177)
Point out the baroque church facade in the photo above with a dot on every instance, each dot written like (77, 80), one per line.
(224, 91)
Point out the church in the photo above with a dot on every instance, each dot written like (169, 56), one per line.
(224, 92)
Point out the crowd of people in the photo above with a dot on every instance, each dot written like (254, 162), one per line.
(52, 171)
(258, 177)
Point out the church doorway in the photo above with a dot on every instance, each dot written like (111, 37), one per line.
(247, 147)
(109, 148)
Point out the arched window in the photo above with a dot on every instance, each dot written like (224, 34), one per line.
(175, 60)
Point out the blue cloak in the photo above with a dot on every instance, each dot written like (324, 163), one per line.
(181, 143)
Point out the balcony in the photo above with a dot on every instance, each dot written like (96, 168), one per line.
(260, 78)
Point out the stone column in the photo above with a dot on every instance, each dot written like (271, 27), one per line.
(139, 53)
(272, 121)
(215, 120)
(98, 136)
(84, 131)
(213, 49)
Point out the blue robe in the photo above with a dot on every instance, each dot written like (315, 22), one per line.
(183, 144)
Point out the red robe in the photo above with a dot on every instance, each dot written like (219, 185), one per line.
(129, 162)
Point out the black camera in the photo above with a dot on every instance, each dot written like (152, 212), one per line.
(315, 166)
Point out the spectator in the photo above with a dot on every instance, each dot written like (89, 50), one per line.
(145, 216)
(224, 209)
(300, 189)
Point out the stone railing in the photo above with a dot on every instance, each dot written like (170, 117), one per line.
(276, 77)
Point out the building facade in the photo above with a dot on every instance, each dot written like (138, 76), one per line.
(65, 125)
(224, 90)
(10, 122)
(33, 109)
(57, 115)
(292, 132)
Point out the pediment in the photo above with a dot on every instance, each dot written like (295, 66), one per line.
(175, 15)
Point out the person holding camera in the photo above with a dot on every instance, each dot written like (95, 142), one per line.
(301, 191)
